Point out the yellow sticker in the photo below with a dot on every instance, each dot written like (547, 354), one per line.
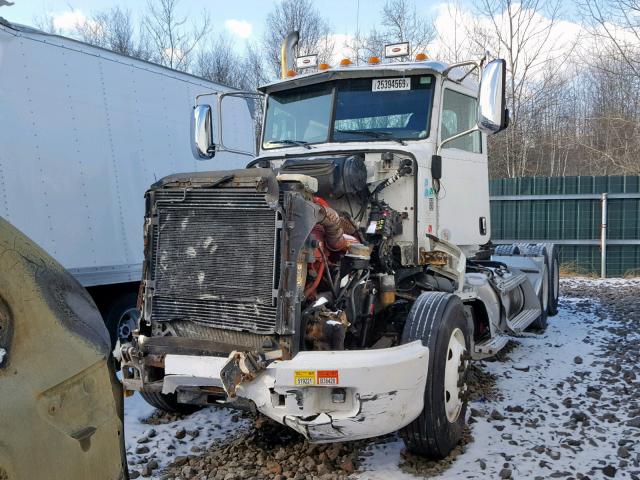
(304, 377)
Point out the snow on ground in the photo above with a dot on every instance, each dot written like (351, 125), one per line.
(545, 420)
(537, 441)
(146, 439)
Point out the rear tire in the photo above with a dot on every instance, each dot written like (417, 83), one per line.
(438, 320)
(168, 403)
(540, 324)
(122, 318)
(554, 281)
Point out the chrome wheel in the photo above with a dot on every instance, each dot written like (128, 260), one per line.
(454, 367)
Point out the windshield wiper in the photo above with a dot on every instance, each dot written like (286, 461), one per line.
(300, 143)
(374, 134)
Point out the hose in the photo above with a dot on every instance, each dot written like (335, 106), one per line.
(334, 234)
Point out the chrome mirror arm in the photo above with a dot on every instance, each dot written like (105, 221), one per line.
(455, 137)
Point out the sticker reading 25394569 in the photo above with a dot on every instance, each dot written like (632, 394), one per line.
(389, 84)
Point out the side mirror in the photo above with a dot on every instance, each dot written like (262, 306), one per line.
(492, 114)
(202, 133)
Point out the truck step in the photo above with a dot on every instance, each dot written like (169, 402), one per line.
(523, 319)
(489, 347)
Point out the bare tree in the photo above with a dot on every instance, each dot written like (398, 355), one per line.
(219, 62)
(614, 26)
(253, 69)
(521, 33)
(45, 22)
(173, 40)
(400, 22)
(288, 16)
(113, 29)
(454, 38)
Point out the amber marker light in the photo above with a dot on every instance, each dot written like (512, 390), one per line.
(374, 60)
(421, 57)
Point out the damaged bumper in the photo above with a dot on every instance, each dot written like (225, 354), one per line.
(326, 396)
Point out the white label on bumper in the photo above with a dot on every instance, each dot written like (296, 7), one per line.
(205, 367)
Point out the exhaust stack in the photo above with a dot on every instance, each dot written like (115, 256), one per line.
(287, 54)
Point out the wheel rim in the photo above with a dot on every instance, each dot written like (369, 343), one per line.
(127, 323)
(545, 289)
(452, 370)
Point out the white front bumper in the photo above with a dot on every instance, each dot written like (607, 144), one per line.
(328, 396)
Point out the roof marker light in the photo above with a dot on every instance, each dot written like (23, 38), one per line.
(374, 60)
(421, 57)
(291, 73)
(323, 66)
(345, 62)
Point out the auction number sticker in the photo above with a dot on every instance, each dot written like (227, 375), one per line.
(327, 377)
(304, 377)
(390, 84)
(315, 377)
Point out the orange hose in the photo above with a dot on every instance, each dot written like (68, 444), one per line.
(312, 288)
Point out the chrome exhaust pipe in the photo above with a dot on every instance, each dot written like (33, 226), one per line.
(287, 53)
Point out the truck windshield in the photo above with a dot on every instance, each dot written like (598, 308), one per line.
(366, 109)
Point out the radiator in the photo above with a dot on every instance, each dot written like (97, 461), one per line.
(215, 259)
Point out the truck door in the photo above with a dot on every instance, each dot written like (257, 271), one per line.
(61, 407)
(464, 194)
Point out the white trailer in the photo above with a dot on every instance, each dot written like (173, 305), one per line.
(83, 133)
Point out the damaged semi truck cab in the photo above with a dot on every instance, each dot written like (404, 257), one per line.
(342, 282)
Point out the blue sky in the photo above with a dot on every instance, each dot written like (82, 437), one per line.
(340, 13)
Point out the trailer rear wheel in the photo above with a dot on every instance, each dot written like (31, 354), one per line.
(438, 320)
(122, 317)
(554, 282)
(545, 293)
(168, 402)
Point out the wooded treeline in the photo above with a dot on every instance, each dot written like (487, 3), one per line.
(573, 85)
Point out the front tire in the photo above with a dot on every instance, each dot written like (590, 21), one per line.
(168, 403)
(438, 320)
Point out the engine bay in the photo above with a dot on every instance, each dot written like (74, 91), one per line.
(362, 268)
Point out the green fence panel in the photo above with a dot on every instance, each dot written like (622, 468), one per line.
(571, 219)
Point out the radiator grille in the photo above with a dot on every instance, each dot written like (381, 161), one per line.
(215, 259)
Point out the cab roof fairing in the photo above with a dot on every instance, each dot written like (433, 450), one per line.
(364, 71)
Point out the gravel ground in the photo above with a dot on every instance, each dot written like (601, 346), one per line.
(564, 404)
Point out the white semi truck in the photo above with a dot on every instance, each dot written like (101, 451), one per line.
(341, 283)
(83, 132)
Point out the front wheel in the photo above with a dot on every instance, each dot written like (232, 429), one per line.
(168, 403)
(438, 320)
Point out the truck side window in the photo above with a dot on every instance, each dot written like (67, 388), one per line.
(458, 115)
